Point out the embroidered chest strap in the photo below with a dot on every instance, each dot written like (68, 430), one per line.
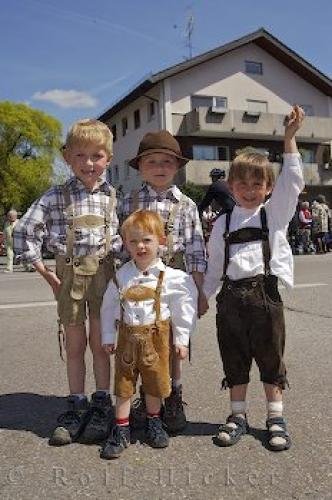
(157, 300)
(246, 235)
(88, 221)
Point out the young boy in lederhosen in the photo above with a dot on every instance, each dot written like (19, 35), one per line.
(248, 248)
(78, 222)
(147, 299)
(158, 160)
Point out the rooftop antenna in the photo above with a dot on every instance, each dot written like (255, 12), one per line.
(188, 34)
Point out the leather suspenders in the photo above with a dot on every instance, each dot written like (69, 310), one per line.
(246, 235)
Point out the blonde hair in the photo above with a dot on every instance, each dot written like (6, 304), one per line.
(90, 131)
(145, 220)
(254, 165)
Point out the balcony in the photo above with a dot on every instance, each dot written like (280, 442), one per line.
(197, 172)
(238, 124)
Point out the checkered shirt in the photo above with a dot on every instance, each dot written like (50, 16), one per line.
(187, 233)
(46, 221)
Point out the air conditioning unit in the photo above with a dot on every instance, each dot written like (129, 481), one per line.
(222, 110)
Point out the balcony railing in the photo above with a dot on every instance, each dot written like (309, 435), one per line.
(237, 123)
(197, 171)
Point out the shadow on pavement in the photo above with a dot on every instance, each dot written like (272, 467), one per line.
(261, 435)
(200, 429)
(30, 412)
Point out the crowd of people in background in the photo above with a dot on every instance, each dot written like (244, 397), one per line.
(309, 232)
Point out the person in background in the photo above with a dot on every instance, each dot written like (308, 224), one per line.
(305, 219)
(8, 237)
(321, 222)
(217, 192)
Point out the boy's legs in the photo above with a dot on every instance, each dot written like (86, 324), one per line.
(119, 438)
(101, 360)
(232, 319)
(236, 424)
(155, 434)
(73, 420)
(278, 436)
(75, 341)
(174, 415)
(100, 411)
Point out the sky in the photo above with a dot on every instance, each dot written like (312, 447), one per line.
(74, 58)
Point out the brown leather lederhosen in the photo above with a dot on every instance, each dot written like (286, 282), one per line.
(143, 350)
(83, 278)
(250, 318)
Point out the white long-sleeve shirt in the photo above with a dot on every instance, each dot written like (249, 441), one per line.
(246, 259)
(178, 301)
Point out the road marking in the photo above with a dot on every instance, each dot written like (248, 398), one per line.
(10, 277)
(53, 302)
(306, 285)
(28, 304)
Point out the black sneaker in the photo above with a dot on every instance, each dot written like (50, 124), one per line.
(72, 422)
(138, 411)
(155, 434)
(117, 442)
(173, 413)
(99, 418)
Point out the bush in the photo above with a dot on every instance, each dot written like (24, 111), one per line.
(196, 193)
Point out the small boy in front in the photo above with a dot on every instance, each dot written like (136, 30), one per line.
(78, 223)
(145, 299)
(248, 249)
(158, 160)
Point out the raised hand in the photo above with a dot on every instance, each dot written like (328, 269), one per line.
(293, 121)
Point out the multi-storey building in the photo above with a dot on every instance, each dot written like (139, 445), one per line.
(231, 97)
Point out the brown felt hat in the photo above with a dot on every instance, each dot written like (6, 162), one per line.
(158, 142)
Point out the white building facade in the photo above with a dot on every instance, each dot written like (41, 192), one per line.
(224, 100)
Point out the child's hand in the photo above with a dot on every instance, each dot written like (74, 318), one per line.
(109, 348)
(293, 121)
(181, 351)
(202, 305)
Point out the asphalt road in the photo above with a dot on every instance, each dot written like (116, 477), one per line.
(33, 386)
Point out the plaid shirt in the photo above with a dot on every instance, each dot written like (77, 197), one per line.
(187, 233)
(46, 221)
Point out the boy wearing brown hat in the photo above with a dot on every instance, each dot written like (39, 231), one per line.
(158, 159)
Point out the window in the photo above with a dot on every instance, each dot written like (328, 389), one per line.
(254, 68)
(208, 101)
(206, 152)
(113, 130)
(308, 155)
(256, 106)
(124, 126)
(137, 118)
(198, 101)
(308, 109)
(220, 102)
(151, 110)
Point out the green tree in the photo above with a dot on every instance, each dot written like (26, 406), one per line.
(29, 142)
(196, 193)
